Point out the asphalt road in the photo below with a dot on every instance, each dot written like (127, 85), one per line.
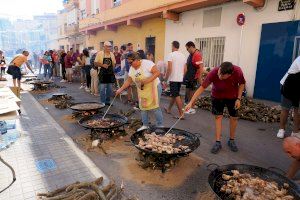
(257, 144)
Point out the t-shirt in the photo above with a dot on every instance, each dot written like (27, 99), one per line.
(118, 58)
(295, 68)
(225, 89)
(178, 60)
(197, 60)
(19, 60)
(68, 61)
(146, 66)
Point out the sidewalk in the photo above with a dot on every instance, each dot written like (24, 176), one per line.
(42, 138)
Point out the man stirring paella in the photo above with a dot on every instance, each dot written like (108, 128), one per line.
(145, 75)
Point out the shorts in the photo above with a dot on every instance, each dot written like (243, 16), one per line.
(287, 104)
(69, 71)
(175, 89)
(191, 84)
(16, 72)
(219, 104)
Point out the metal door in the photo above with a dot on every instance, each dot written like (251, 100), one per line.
(150, 45)
(276, 52)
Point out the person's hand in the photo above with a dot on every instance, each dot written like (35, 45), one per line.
(105, 66)
(237, 104)
(188, 107)
(118, 92)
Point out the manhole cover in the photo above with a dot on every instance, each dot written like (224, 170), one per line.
(45, 165)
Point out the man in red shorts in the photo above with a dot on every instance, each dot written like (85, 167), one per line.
(228, 86)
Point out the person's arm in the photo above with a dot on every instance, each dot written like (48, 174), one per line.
(198, 92)
(169, 70)
(240, 93)
(81, 60)
(29, 67)
(184, 69)
(293, 169)
(127, 83)
(155, 73)
(99, 61)
(200, 71)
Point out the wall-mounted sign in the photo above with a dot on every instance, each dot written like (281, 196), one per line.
(286, 5)
(240, 20)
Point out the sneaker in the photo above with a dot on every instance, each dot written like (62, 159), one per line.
(87, 90)
(216, 148)
(143, 128)
(63, 81)
(281, 133)
(97, 95)
(136, 107)
(232, 145)
(195, 107)
(190, 111)
(81, 87)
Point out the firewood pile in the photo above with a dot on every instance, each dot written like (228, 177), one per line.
(87, 191)
(61, 101)
(154, 162)
(250, 110)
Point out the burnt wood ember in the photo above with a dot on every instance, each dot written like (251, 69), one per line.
(157, 162)
(105, 134)
(61, 101)
(250, 110)
(44, 85)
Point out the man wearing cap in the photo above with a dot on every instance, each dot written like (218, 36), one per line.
(15, 65)
(105, 60)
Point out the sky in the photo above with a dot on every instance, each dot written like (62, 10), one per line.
(25, 9)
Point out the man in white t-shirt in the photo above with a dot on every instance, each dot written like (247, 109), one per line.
(287, 104)
(175, 73)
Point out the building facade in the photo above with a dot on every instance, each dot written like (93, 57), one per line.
(35, 34)
(217, 34)
(152, 25)
(68, 27)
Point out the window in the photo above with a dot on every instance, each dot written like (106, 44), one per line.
(116, 3)
(212, 50)
(212, 17)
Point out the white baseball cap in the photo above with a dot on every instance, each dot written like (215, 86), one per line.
(107, 43)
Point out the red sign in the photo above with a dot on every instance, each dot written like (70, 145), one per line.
(241, 19)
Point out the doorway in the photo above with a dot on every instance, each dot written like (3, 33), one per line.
(150, 45)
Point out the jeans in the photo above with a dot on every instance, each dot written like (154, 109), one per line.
(47, 70)
(105, 92)
(157, 112)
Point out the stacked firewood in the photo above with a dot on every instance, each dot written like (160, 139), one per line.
(87, 191)
(250, 110)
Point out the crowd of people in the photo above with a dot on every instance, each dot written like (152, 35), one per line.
(143, 81)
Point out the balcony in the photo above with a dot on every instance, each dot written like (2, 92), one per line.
(130, 12)
(71, 4)
(72, 29)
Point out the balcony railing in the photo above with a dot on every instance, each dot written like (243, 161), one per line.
(72, 29)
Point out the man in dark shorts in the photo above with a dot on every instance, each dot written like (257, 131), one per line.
(193, 72)
(175, 72)
(15, 65)
(228, 86)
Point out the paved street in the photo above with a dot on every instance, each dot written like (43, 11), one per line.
(42, 138)
(257, 142)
